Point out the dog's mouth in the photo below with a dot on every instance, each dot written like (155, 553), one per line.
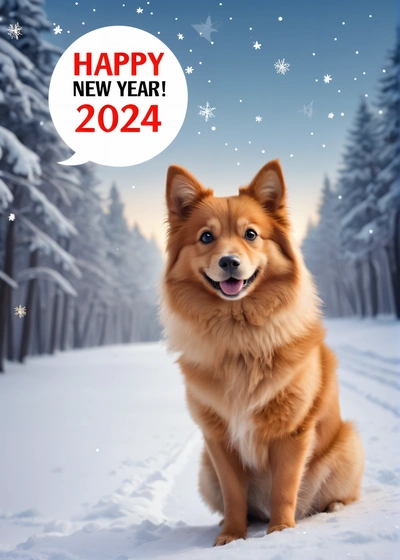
(232, 286)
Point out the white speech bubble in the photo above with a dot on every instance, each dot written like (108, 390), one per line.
(124, 121)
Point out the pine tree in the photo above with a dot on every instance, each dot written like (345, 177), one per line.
(357, 207)
(385, 224)
(38, 186)
(322, 255)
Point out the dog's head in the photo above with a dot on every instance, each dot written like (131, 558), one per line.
(233, 247)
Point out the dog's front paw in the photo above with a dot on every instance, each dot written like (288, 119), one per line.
(279, 527)
(227, 537)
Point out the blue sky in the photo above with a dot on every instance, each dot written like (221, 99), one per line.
(242, 83)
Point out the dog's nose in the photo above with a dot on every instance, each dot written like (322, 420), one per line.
(229, 263)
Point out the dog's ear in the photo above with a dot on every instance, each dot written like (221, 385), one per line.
(183, 191)
(268, 187)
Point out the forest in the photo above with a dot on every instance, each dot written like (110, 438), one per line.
(67, 257)
(74, 275)
(353, 250)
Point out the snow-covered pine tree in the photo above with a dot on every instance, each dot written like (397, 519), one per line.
(356, 208)
(384, 240)
(37, 184)
(147, 264)
(321, 252)
(135, 267)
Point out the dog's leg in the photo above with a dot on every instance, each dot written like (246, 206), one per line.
(234, 483)
(287, 459)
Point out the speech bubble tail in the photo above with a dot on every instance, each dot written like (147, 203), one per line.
(75, 159)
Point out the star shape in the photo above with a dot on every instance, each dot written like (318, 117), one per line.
(180, 36)
(11, 217)
(139, 10)
(205, 29)
(327, 78)
(331, 115)
(257, 45)
(57, 30)
(189, 70)
(258, 118)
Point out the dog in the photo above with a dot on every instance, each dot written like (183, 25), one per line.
(240, 307)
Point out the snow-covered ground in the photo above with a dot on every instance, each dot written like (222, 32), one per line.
(99, 459)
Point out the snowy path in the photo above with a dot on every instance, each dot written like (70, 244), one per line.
(99, 459)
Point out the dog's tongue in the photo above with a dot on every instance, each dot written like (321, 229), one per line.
(231, 287)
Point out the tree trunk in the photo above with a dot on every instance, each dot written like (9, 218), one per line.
(6, 289)
(30, 301)
(39, 324)
(359, 286)
(64, 325)
(10, 330)
(396, 263)
(373, 287)
(104, 327)
(54, 326)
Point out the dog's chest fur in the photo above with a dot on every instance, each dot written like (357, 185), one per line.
(230, 371)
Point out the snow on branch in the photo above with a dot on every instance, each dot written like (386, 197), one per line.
(22, 159)
(52, 214)
(8, 280)
(50, 274)
(99, 272)
(17, 57)
(6, 196)
(43, 242)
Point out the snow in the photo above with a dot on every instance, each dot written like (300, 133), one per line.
(23, 160)
(8, 280)
(6, 196)
(100, 459)
(40, 240)
(48, 273)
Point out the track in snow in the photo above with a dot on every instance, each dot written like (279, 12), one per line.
(156, 512)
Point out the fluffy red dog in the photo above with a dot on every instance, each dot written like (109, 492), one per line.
(241, 309)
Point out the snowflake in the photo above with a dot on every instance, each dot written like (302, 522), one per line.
(281, 66)
(206, 112)
(189, 69)
(180, 36)
(327, 78)
(257, 45)
(11, 217)
(205, 29)
(57, 30)
(331, 115)
(20, 311)
(139, 10)
(258, 119)
(14, 31)
(308, 110)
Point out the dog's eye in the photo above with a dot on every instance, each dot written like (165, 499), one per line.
(206, 237)
(250, 235)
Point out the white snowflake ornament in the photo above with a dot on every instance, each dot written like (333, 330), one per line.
(20, 311)
(14, 31)
(206, 111)
(281, 66)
